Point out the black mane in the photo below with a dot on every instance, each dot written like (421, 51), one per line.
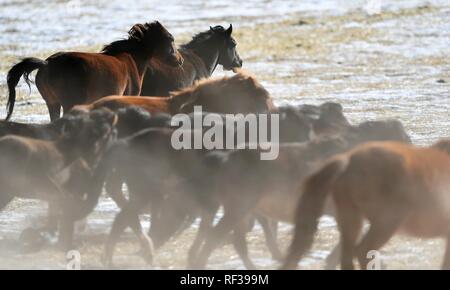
(201, 37)
(136, 36)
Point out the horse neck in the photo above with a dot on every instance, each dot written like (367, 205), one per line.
(209, 54)
(68, 150)
(142, 62)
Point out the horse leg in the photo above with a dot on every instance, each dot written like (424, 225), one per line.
(446, 262)
(155, 209)
(235, 211)
(66, 231)
(52, 217)
(128, 216)
(66, 108)
(144, 240)
(271, 237)
(379, 234)
(172, 223)
(274, 226)
(113, 187)
(350, 225)
(206, 222)
(54, 110)
(333, 258)
(67, 224)
(240, 244)
(118, 226)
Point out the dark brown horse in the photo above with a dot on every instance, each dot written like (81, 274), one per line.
(270, 187)
(56, 171)
(201, 56)
(240, 93)
(67, 79)
(395, 187)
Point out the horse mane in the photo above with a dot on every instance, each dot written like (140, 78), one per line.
(242, 80)
(136, 36)
(200, 38)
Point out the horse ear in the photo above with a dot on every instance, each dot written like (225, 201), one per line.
(211, 28)
(229, 31)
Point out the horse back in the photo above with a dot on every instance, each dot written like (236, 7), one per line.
(395, 178)
(80, 78)
(153, 105)
(39, 131)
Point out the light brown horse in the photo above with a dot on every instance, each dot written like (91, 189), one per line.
(396, 187)
(70, 78)
(240, 93)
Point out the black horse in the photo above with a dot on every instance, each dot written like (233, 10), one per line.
(201, 56)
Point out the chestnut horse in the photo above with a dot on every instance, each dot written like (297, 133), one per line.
(240, 93)
(70, 78)
(201, 56)
(395, 186)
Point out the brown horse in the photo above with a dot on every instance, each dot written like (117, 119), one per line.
(201, 56)
(240, 93)
(56, 170)
(396, 187)
(270, 187)
(70, 78)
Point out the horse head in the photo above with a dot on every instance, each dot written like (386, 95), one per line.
(90, 132)
(156, 40)
(228, 56)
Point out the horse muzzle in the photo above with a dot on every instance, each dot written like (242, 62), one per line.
(235, 64)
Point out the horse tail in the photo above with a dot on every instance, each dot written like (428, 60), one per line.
(23, 68)
(315, 192)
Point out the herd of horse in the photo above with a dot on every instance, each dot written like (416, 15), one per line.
(116, 129)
